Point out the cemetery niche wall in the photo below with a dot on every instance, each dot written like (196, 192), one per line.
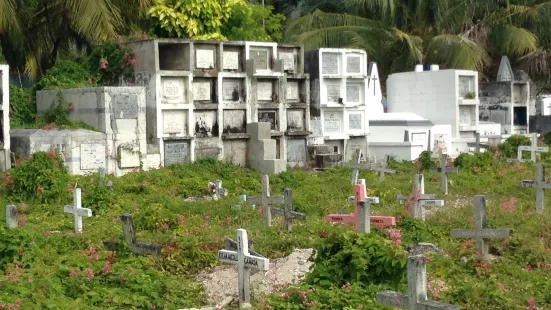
(509, 101)
(5, 158)
(118, 113)
(200, 96)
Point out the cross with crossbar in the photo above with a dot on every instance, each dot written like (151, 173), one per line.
(481, 231)
(129, 233)
(77, 210)
(288, 212)
(444, 170)
(420, 199)
(266, 200)
(477, 145)
(533, 149)
(540, 184)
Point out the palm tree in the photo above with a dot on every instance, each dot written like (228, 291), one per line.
(397, 34)
(34, 32)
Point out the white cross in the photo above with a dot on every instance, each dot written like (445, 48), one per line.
(244, 261)
(374, 86)
(266, 200)
(416, 298)
(11, 216)
(77, 210)
(444, 170)
(481, 231)
(533, 149)
(540, 185)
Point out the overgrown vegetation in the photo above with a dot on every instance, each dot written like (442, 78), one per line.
(44, 264)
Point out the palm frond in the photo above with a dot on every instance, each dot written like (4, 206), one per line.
(511, 40)
(536, 63)
(456, 51)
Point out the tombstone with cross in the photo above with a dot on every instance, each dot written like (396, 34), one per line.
(416, 297)
(77, 210)
(365, 166)
(420, 199)
(129, 233)
(533, 149)
(361, 218)
(477, 145)
(11, 216)
(217, 189)
(288, 212)
(540, 184)
(266, 200)
(444, 170)
(481, 232)
(245, 262)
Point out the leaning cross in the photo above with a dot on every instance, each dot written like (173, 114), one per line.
(477, 145)
(77, 210)
(383, 168)
(355, 171)
(444, 170)
(416, 297)
(136, 247)
(365, 166)
(244, 261)
(481, 231)
(421, 199)
(540, 185)
(533, 149)
(266, 200)
(11, 216)
(288, 212)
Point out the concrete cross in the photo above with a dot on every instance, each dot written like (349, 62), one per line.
(129, 233)
(365, 166)
(355, 171)
(77, 210)
(533, 149)
(444, 170)
(420, 199)
(416, 298)
(477, 145)
(218, 190)
(540, 184)
(481, 231)
(361, 218)
(244, 261)
(374, 86)
(11, 216)
(288, 212)
(266, 200)
(383, 168)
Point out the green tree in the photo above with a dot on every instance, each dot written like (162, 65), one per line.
(397, 34)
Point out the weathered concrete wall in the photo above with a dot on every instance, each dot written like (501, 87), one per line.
(495, 103)
(540, 123)
(5, 160)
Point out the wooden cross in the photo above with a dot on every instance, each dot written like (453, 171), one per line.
(218, 190)
(136, 247)
(77, 210)
(481, 231)
(266, 200)
(244, 261)
(365, 166)
(416, 298)
(361, 218)
(383, 168)
(288, 212)
(11, 216)
(540, 184)
(421, 199)
(477, 145)
(444, 170)
(533, 149)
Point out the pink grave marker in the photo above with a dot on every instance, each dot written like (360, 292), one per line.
(354, 218)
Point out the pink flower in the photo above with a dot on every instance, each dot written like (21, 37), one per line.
(427, 260)
(531, 302)
(103, 64)
(397, 241)
(73, 273)
(529, 269)
(91, 251)
(106, 268)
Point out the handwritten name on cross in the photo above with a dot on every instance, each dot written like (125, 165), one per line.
(481, 231)
(540, 184)
(266, 200)
(444, 170)
(477, 145)
(420, 200)
(77, 210)
(288, 212)
(218, 190)
(361, 218)
(533, 149)
(416, 297)
(129, 233)
(244, 261)
(11, 216)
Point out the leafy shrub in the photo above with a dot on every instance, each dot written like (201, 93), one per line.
(425, 159)
(475, 162)
(22, 107)
(510, 146)
(66, 74)
(547, 138)
(43, 177)
(154, 217)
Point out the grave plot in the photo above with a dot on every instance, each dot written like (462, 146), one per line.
(261, 58)
(205, 93)
(355, 94)
(174, 90)
(173, 55)
(234, 93)
(267, 92)
(11, 216)
(176, 151)
(77, 210)
(292, 57)
(296, 92)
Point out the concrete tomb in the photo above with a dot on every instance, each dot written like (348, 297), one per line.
(245, 262)
(416, 297)
(11, 216)
(481, 232)
(129, 233)
(77, 210)
(444, 170)
(420, 199)
(5, 158)
(540, 184)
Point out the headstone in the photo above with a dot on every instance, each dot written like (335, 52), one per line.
(355, 121)
(477, 145)
(444, 170)
(420, 199)
(533, 149)
(173, 90)
(77, 210)
(288, 212)
(266, 200)
(481, 231)
(288, 61)
(260, 58)
(292, 91)
(231, 90)
(353, 64)
(204, 59)
(231, 60)
(540, 184)
(353, 93)
(268, 117)
(330, 63)
(175, 122)
(101, 172)
(201, 90)
(11, 216)
(217, 189)
(333, 93)
(332, 122)
(175, 152)
(416, 297)
(126, 106)
(264, 91)
(136, 247)
(92, 156)
(244, 261)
